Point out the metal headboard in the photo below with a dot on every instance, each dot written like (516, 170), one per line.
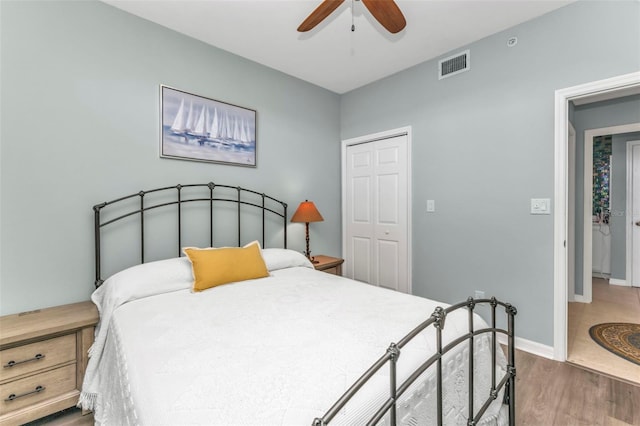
(179, 201)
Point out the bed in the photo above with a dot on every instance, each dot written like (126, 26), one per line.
(293, 347)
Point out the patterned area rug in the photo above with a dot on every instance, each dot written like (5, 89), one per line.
(621, 338)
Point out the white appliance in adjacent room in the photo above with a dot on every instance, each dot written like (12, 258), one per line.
(601, 250)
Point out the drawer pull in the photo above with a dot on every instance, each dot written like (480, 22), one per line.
(13, 363)
(13, 396)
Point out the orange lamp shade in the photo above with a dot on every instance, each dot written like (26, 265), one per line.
(307, 212)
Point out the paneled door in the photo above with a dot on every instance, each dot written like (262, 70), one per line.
(376, 212)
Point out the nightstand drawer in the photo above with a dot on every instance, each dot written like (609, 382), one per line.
(333, 270)
(24, 392)
(36, 356)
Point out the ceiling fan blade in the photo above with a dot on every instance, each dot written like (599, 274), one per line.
(387, 13)
(318, 15)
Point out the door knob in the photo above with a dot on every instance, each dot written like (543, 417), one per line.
(638, 223)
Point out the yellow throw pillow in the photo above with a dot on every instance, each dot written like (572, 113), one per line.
(216, 266)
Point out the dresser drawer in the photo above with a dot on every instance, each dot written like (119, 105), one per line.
(53, 383)
(36, 356)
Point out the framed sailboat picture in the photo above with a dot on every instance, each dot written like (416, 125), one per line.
(201, 129)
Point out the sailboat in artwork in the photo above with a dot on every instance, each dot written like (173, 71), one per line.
(228, 128)
(243, 135)
(218, 129)
(189, 123)
(178, 125)
(248, 137)
(236, 130)
(201, 128)
(214, 128)
(182, 125)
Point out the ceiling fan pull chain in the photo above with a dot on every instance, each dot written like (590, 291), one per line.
(353, 26)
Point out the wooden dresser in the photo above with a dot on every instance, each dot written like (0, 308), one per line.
(43, 357)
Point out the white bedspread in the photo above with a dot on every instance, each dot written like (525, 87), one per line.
(274, 351)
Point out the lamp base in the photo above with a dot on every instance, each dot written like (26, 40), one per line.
(307, 252)
(312, 259)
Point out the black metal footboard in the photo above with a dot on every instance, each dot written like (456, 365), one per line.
(437, 319)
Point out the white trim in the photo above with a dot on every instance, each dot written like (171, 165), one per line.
(579, 298)
(587, 220)
(629, 213)
(370, 138)
(615, 281)
(587, 266)
(530, 346)
(560, 225)
(571, 209)
(562, 97)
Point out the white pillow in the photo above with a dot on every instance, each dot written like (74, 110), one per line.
(156, 273)
(277, 258)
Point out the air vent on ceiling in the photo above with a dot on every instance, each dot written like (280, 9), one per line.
(460, 62)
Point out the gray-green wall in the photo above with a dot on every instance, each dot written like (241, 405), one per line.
(79, 113)
(615, 112)
(483, 146)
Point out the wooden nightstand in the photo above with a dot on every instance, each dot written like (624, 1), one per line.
(331, 265)
(43, 354)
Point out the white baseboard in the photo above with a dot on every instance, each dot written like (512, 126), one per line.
(530, 346)
(599, 274)
(615, 281)
(580, 298)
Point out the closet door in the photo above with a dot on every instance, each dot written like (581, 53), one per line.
(376, 210)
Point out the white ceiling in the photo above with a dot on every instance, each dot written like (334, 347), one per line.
(331, 55)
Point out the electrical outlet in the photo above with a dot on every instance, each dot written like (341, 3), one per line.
(479, 294)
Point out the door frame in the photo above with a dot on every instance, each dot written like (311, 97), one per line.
(387, 134)
(629, 213)
(571, 211)
(587, 260)
(560, 220)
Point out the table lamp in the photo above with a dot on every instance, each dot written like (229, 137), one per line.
(307, 212)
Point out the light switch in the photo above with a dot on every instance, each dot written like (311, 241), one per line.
(431, 206)
(540, 206)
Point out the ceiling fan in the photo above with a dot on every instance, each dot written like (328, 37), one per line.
(386, 12)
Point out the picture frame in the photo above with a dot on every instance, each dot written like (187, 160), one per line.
(197, 128)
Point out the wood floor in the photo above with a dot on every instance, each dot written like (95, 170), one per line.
(610, 303)
(548, 393)
(558, 393)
